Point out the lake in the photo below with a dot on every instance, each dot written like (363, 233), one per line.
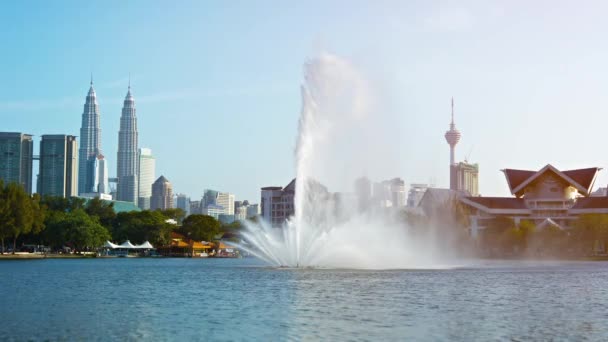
(241, 299)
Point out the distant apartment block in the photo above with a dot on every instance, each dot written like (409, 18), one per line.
(465, 177)
(16, 155)
(147, 175)
(277, 203)
(162, 194)
(58, 167)
(183, 203)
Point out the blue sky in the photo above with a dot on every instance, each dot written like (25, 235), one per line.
(216, 83)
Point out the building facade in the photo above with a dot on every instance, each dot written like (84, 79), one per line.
(183, 203)
(415, 194)
(226, 200)
(58, 167)
(128, 153)
(90, 143)
(465, 177)
(146, 176)
(162, 194)
(277, 203)
(16, 156)
(548, 196)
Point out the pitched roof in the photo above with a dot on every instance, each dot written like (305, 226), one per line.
(582, 179)
(516, 177)
(591, 203)
(499, 202)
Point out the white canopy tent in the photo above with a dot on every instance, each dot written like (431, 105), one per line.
(127, 245)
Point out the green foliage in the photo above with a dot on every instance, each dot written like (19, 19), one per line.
(76, 229)
(201, 227)
(6, 218)
(142, 226)
(54, 203)
(102, 210)
(232, 227)
(176, 214)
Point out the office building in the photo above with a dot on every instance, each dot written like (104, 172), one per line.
(183, 203)
(128, 153)
(58, 167)
(146, 176)
(277, 203)
(16, 155)
(162, 194)
(466, 177)
(90, 143)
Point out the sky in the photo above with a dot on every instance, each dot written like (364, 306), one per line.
(217, 83)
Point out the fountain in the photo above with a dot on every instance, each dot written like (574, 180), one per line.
(335, 143)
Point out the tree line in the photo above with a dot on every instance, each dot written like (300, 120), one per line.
(83, 224)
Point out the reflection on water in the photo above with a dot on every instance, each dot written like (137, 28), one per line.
(224, 299)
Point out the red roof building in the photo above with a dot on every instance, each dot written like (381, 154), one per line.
(546, 195)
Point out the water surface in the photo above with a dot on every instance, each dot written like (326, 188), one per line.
(240, 299)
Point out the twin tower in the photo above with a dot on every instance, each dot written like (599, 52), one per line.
(92, 168)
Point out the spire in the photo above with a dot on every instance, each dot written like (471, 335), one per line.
(452, 110)
(91, 78)
(129, 82)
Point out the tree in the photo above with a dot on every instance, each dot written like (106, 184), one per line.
(176, 214)
(6, 219)
(82, 231)
(39, 211)
(57, 203)
(201, 227)
(142, 226)
(20, 208)
(102, 210)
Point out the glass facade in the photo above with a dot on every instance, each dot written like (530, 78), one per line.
(16, 153)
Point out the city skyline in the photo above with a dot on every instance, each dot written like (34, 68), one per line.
(506, 82)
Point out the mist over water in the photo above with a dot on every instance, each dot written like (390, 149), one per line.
(342, 136)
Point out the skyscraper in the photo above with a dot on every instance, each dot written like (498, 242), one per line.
(452, 137)
(100, 167)
(183, 203)
(226, 201)
(90, 143)
(58, 173)
(162, 194)
(16, 152)
(146, 176)
(128, 158)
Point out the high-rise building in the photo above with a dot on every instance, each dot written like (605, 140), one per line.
(209, 198)
(363, 190)
(16, 155)
(128, 158)
(58, 168)
(90, 143)
(162, 194)
(244, 210)
(382, 194)
(100, 170)
(253, 210)
(183, 203)
(398, 193)
(414, 196)
(226, 200)
(146, 176)
(452, 137)
(466, 178)
(195, 207)
(278, 203)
